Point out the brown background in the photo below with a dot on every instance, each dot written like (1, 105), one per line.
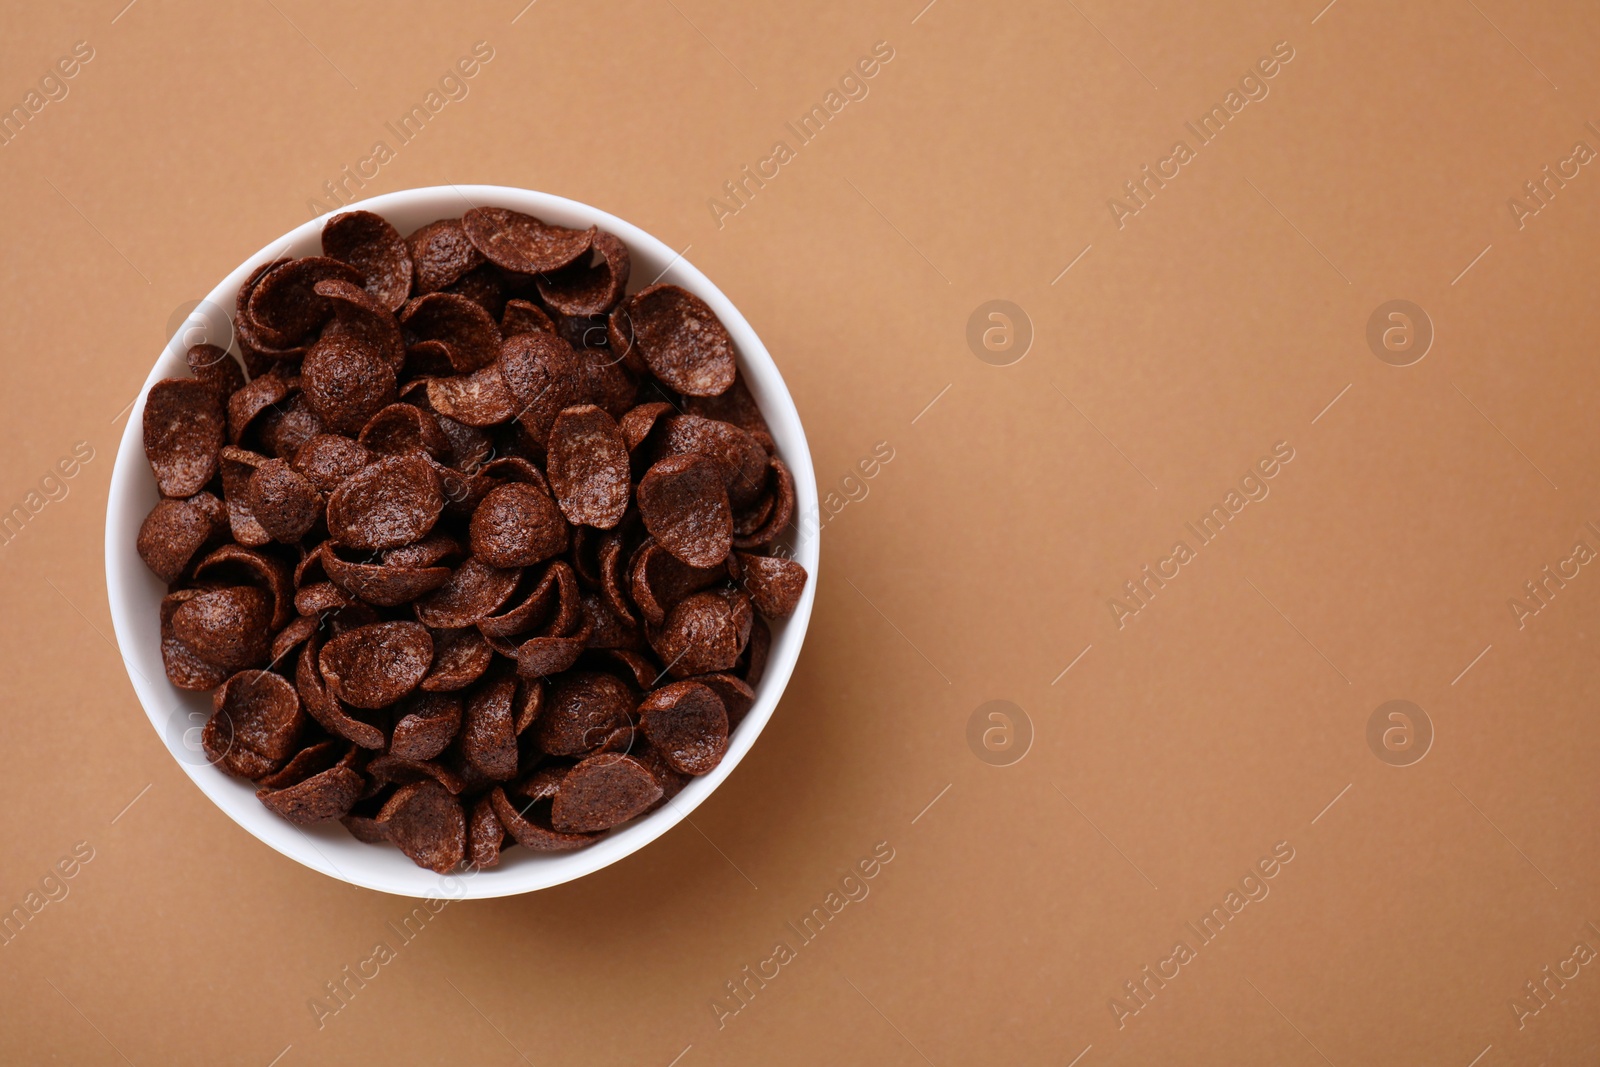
(1223, 318)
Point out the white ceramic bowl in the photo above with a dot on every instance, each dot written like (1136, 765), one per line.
(177, 716)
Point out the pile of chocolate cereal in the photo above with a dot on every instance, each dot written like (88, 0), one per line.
(482, 548)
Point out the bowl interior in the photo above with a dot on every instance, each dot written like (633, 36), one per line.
(135, 594)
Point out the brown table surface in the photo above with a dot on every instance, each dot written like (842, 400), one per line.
(1159, 756)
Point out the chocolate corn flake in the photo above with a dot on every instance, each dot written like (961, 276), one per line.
(736, 406)
(328, 459)
(374, 666)
(687, 723)
(326, 708)
(470, 446)
(485, 285)
(541, 657)
(175, 531)
(361, 317)
(681, 340)
(183, 432)
(427, 727)
(319, 597)
(216, 368)
(684, 505)
(459, 658)
(605, 381)
(743, 460)
(390, 502)
(387, 584)
(283, 501)
(640, 668)
(473, 591)
(704, 633)
(581, 710)
(607, 630)
(535, 600)
(369, 244)
(237, 466)
(285, 307)
(754, 661)
(529, 833)
(639, 421)
(389, 769)
(258, 353)
(470, 335)
(582, 289)
(426, 823)
(588, 462)
(527, 704)
(774, 583)
(255, 722)
(285, 427)
(524, 316)
(264, 712)
(346, 382)
(480, 398)
(601, 792)
(293, 635)
(658, 580)
(435, 549)
(620, 340)
(488, 735)
(227, 628)
(233, 563)
(517, 525)
(441, 254)
(668, 777)
(544, 781)
(254, 400)
(737, 695)
(328, 794)
(485, 835)
(311, 760)
(401, 428)
(545, 376)
(517, 242)
(781, 514)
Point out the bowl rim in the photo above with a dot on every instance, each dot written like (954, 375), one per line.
(133, 612)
